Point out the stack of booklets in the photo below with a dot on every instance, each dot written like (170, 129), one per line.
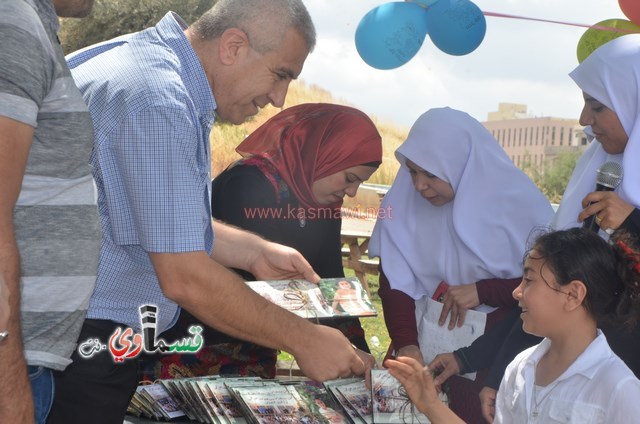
(227, 400)
(331, 297)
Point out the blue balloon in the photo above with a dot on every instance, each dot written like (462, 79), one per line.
(391, 34)
(423, 2)
(456, 27)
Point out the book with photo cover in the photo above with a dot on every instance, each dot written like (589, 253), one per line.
(359, 397)
(224, 398)
(140, 407)
(153, 401)
(339, 399)
(331, 297)
(390, 403)
(195, 403)
(321, 404)
(272, 404)
(216, 415)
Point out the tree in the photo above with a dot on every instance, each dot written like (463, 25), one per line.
(111, 18)
(553, 181)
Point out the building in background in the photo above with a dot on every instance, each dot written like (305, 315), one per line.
(534, 142)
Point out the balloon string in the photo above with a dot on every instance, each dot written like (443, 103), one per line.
(600, 27)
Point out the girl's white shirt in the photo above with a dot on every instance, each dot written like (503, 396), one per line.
(597, 388)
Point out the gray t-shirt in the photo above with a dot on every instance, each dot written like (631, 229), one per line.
(56, 215)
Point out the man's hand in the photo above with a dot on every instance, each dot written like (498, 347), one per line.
(488, 403)
(369, 364)
(237, 248)
(609, 208)
(444, 365)
(328, 355)
(457, 300)
(278, 262)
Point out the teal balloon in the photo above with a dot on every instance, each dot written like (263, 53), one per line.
(456, 27)
(391, 34)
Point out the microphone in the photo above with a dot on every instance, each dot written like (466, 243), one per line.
(608, 177)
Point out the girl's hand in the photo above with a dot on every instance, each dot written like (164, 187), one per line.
(420, 388)
(446, 365)
(416, 379)
(488, 403)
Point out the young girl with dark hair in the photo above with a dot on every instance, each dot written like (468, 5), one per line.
(573, 282)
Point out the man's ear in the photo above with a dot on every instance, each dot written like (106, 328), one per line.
(233, 43)
(576, 293)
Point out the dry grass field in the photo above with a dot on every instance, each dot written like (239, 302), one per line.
(225, 137)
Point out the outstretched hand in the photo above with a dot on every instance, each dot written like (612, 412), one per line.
(327, 354)
(416, 379)
(456, 301)
(420, 388)
(278, 262)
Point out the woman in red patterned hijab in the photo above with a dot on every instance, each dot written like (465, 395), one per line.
(310, 142)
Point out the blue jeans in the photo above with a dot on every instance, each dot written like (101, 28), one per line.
(42, 389)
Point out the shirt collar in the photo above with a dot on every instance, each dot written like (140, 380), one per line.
(586, 364)
(171, 30)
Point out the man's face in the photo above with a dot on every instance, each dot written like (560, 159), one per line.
(73, 8)
(257, 80)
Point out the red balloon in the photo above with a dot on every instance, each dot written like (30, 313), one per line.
(631, 9)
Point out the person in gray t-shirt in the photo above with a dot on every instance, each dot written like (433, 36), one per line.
(49, 228)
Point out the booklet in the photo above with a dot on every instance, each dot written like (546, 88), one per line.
(271, 404)
(322, 406)
(331, 297)
(154, 401)
(359, 398)
(339, 399)
(390, 403)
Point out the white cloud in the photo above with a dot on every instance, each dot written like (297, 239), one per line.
(518, 61)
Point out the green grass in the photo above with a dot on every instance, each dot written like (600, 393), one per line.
(373, 326)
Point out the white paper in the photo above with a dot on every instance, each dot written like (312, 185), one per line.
(435, 339)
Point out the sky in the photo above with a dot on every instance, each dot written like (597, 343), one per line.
(518, 61)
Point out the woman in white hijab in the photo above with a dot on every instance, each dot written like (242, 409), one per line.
(610, 81)
(461, 213)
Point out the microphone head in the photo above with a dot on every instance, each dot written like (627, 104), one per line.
(609, 175)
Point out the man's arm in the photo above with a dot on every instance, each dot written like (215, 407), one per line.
(16, 404)
(236, 248)
(220, 299)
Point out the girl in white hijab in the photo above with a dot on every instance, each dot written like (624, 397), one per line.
(461, 212)
(610, 81)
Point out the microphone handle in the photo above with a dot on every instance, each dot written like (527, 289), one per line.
(590, 222)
